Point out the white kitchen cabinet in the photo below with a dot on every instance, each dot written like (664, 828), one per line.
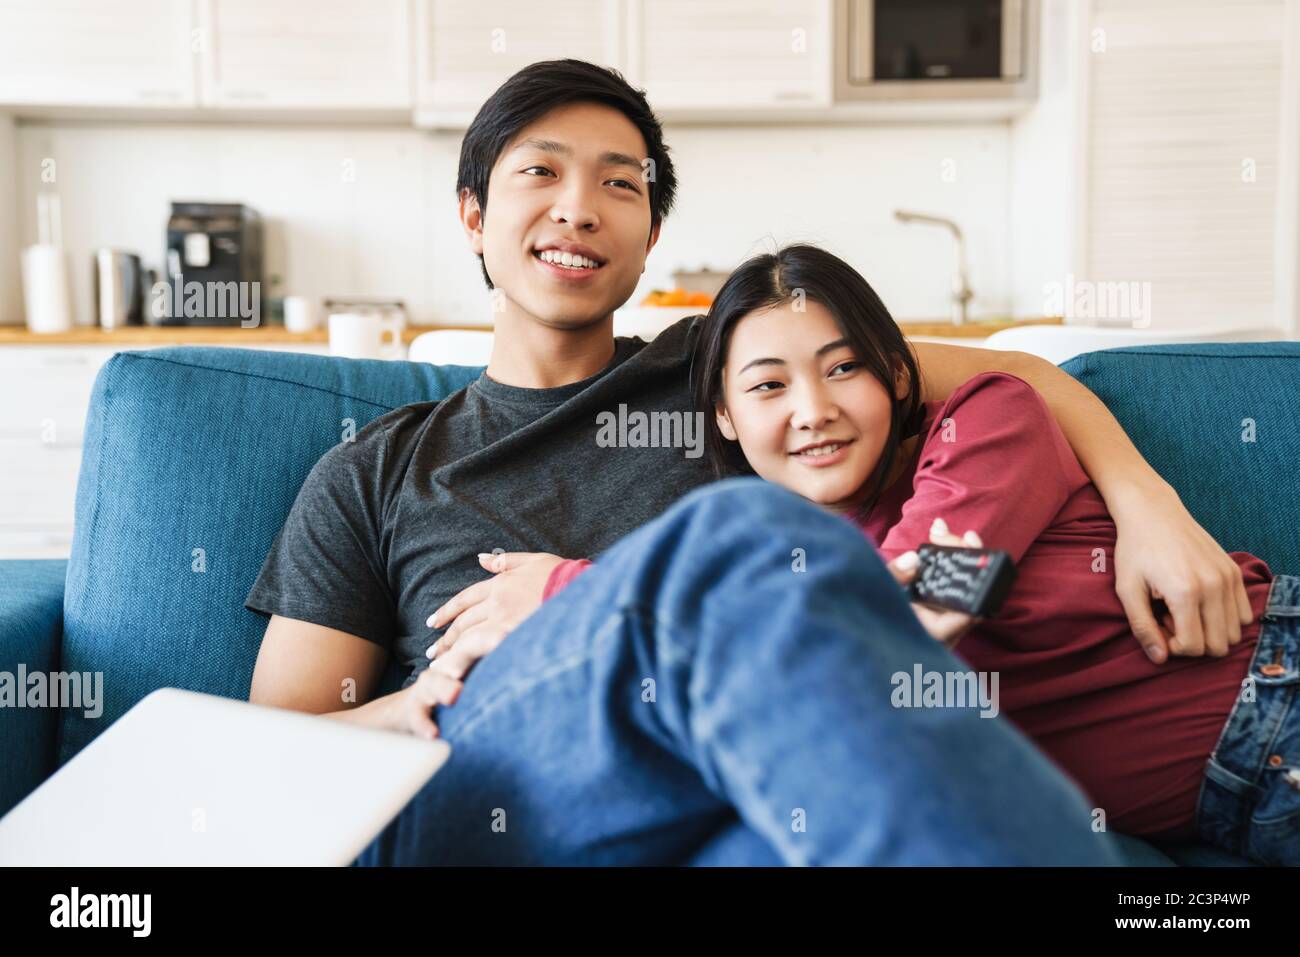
(288, 55)
(708, 55)
(127, 53)
(44, 397)
(465, 49)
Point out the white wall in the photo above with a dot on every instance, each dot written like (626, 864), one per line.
(326, 233)
(1046, 165)
(10, 283)
(744, 190)
(392, 229)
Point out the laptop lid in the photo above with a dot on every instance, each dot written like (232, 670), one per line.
(185, 778)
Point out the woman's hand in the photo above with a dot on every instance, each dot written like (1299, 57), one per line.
(411, 710)
(1162, 553)
(481, 615)
(943, 624)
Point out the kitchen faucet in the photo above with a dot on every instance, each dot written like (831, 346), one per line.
(961, 290)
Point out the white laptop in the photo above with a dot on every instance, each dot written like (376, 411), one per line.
(192, 779)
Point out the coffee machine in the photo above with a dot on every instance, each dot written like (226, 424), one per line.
(213, 265)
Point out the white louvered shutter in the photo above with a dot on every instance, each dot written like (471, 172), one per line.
(1184, 121)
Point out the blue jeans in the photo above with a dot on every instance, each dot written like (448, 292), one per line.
(718, 689)
(1250, 798)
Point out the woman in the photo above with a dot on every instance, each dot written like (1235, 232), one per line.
(810, 384)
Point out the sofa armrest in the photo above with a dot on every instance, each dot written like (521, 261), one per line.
(31, 630)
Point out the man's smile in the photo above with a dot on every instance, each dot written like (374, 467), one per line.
(570, 266)
(569, 255)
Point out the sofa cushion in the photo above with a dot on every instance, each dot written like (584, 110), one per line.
(192, 459)
(31, 619)
(1188, 408)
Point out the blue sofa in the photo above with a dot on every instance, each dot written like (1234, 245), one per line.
(191, 449)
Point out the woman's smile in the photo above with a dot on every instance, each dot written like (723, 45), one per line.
(822, 455)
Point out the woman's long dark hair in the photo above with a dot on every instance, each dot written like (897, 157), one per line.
(816, 275)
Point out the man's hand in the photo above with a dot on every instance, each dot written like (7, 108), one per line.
(943, 624)
(484, 613)
(1162, 553)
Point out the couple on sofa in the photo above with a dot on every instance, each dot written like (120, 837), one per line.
(720, 684)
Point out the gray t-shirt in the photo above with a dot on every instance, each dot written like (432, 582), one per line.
(388, 526)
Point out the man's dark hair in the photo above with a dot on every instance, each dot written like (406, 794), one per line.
(536, 90)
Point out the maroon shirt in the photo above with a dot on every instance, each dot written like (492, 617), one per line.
(1134, 735)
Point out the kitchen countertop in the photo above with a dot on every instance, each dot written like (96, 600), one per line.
(185, 336)
(972, 328)
(12, 335)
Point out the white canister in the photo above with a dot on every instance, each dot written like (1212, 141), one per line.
(47, 290)
(361, 335)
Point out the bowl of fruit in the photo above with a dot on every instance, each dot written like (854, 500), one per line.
(691, 295)
(659, 310)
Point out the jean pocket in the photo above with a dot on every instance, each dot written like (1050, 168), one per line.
(1275, 824)
(1274, 834)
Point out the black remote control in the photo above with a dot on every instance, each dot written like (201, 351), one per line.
(970, 580)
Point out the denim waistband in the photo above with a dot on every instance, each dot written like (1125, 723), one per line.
(1284, 596)
(1237, 765)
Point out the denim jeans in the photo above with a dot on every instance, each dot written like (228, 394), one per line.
(718, 688)
(1250, 798)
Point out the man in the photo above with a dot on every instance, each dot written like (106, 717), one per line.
(564, 183)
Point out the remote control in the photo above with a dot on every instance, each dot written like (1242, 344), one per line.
(970, 580)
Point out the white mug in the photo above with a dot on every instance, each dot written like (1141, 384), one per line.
(361, 335)
(301, 313)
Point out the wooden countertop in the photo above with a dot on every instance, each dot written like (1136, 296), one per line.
(146, 336)
(129, 336)
(972, 329)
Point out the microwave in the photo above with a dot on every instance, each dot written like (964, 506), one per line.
(935, 49)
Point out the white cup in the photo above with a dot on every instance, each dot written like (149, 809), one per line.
(360, 335)
(301, 313)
